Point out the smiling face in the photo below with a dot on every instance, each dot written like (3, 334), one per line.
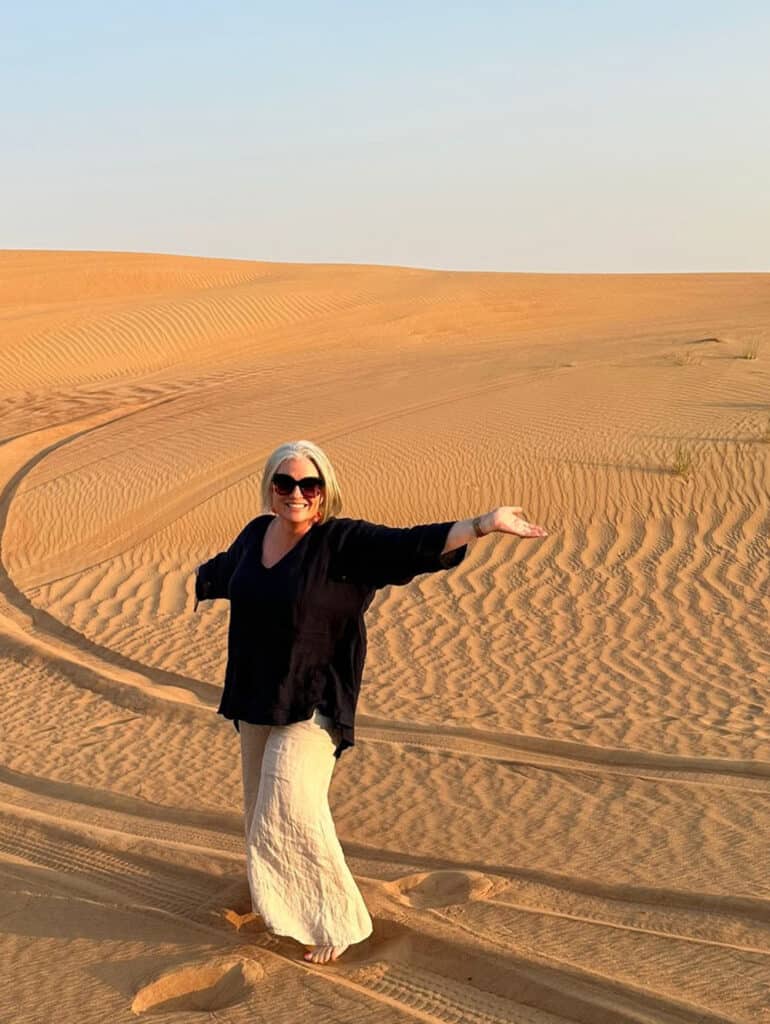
(295, 507)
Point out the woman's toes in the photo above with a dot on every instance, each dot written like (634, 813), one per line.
(323, 954)
(318, 954)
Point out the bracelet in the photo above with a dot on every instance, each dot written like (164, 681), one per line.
(477, 527)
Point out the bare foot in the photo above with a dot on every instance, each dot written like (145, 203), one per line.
(323, 954)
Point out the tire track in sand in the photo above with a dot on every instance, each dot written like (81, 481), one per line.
(107, 671)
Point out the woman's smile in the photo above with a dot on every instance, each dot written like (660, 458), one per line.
(288, 505)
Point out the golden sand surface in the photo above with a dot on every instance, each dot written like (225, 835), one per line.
(557, 808)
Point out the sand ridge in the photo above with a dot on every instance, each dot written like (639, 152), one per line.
(558, 805)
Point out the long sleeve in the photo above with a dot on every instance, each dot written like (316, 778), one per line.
(212, 578)
(383, 556)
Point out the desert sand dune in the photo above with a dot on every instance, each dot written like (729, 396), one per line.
(558, 804)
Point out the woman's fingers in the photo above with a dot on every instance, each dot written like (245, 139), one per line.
(525, 529)
(510, 519)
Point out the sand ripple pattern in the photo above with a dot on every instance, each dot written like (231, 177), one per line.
(558, 806)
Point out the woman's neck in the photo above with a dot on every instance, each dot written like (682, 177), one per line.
(291, 531)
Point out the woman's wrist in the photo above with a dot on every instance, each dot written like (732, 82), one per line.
(464, 531)
(478, 528)
(482, 525)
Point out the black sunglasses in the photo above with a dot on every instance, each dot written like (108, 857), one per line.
(311, 486)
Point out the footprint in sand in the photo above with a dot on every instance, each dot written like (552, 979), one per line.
(204, 987)
(441, 888)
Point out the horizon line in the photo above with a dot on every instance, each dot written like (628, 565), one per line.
(390, 266)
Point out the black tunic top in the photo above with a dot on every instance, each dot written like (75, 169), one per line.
(296, 635)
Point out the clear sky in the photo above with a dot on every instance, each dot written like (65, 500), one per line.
(545, 136)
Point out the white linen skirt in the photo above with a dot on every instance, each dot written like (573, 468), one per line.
(300, 884)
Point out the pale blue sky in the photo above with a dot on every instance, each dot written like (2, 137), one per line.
(550, 136)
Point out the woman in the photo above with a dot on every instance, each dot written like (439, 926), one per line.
(299, 579)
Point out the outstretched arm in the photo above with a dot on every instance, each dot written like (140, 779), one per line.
(505, 519)
(380, 556)
(212, 578)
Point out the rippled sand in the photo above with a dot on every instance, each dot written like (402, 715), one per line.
(557, 808)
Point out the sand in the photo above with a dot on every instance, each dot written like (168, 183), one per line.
(557, 808)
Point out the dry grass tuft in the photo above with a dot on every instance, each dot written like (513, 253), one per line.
(682, 463)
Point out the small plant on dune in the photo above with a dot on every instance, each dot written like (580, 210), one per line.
(683, 358)
(683, 462)
(751, 351)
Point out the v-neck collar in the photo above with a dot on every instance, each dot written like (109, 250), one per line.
(285, 555)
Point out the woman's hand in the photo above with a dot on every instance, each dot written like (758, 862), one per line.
(508, 519)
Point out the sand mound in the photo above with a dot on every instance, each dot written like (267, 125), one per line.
(558, 806)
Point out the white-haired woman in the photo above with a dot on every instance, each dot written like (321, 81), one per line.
(299, 579)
